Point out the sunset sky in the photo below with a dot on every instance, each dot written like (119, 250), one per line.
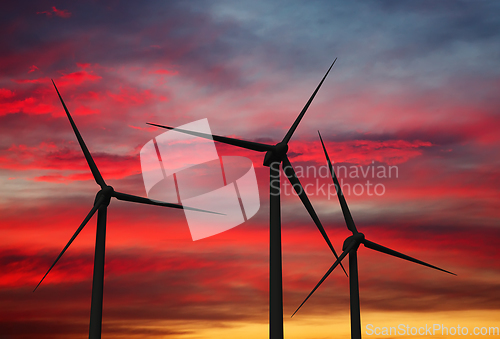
(416, 87)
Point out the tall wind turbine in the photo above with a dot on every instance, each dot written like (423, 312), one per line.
(351, 245)
(101, 203)
(275, 155)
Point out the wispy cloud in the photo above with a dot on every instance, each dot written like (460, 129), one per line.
(63, 13)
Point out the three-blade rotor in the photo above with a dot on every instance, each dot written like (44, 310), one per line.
(352, 243)
(277, 152)
(106, 193)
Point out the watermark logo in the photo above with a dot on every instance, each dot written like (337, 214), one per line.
(186, 169)
(369, 180)
(430, 330)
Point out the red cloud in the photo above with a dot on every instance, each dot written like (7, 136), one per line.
(29, 105)
(361, 152)
(83, 65)
(132, 96)
(85, 110)
(63, 13)
(76, 78)
(6, 93)
(48, 156)
(32, 69)
(32, 81)
(165, 72)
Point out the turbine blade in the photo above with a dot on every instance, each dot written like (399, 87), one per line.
(292, 177)
(292, 129)
(343, 204)
(141, 200)
(342, 256)
(85, 221)
(382, 249)
(254, 146)
(95, 171)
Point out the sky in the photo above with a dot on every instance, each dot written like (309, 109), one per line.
(414, 89)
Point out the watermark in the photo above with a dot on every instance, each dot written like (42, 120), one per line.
(331, 190)
(186, 169)
(373, 173)
(434, 329)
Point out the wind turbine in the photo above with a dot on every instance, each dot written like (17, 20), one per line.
(275, 155)
(351, 245)
(101, 203)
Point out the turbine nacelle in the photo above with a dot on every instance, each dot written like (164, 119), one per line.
(357, 238)
(277, 153)
(107, 192)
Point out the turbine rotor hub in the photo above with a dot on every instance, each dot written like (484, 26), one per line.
(280, 149)
(357, 238)
(276, 154)
(106, 193)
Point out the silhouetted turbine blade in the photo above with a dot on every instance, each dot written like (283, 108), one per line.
(95, 172)
(141, 200)
(380, 248)
(343, 204)
(342, 256)
(292, 129)
(254, 146)
(85, 221)
(292, 177)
